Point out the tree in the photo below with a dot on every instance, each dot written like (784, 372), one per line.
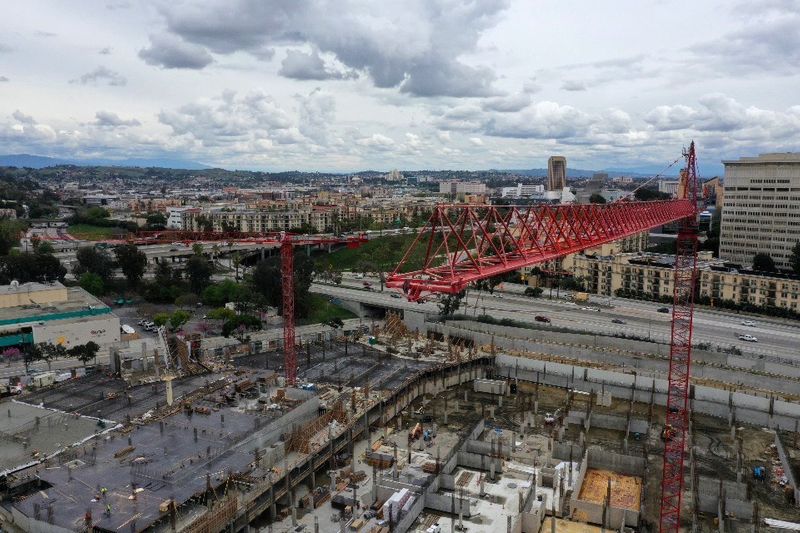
(449, 304)
(645, 195)
(763, 262)
(30, 354)
(92, 283)
(198, 270)
(597, 198)
(178, 319)
(44, 248)
(266, 280)
(336, 323)
(30, 267)
(242, 323)
(534, 292)
(51, 351)
(794, 258)
(9, 235)
(132, 261)
(221, 313)
(161, 319)
(156, 220)
(84, 352)
(223, 292)
(94, 260)
(187, 300)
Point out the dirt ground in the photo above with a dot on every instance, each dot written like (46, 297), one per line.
(625, 490)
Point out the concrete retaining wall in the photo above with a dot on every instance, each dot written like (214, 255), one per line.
(561, 450)
(736, 503)
(475, 461)
(748, 408)
(447, 503)
(487, 448)
(614, 351)
(490, 386)
(623, 464)
(787, 468)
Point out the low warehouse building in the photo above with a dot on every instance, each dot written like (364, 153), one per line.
(33, 313)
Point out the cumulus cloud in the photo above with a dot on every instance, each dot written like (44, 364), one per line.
(299, 65)
(770, 42)
(317, 114)
(377, 141)
(19, 116)
(507, 104)
(109, 119)
(4, 78)
(105, 51)
(231, 119)
(169, 51)
(544, 120)
(719, 113)
(415, 46)
(101, 75)
(476, 141)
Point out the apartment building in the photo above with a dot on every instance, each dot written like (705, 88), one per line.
(653, 275)
(761, 208)
(462, 187)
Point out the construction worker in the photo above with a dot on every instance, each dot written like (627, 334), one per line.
(108, 509)
(103, 491)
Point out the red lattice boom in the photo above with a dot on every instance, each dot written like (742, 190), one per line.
(467, 243)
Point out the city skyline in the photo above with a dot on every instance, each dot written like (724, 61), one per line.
(490, 84)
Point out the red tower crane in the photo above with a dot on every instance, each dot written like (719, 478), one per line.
(462, 244)
(680, 355)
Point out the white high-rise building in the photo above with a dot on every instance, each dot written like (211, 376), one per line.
(761, 209)
(521, 190)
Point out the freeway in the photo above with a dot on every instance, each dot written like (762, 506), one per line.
(176, 250)
(719, 329)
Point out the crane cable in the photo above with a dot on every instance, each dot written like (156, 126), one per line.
(659, 175)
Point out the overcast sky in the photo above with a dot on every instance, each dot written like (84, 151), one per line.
(348, 84)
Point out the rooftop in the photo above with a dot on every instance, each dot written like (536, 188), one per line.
(784, 157)
(79, 304)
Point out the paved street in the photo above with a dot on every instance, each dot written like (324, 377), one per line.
(775, 336)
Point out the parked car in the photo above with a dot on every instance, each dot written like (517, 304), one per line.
(748, 323)
(618, 321)
(540, 318)
(663, 309)
(747, 337)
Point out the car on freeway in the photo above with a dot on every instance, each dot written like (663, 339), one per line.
(394, 295)
(540, 318)
(747, 337)
(590, 308)
(663, 309)
(618, 321)
(749, 323)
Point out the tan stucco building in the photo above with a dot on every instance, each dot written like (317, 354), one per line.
(761, 209)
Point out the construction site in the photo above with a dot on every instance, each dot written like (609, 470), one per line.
(382, 428)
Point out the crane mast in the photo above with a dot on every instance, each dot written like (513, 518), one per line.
(676, 428)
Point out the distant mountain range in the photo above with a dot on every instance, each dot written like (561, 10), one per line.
(37, 161)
